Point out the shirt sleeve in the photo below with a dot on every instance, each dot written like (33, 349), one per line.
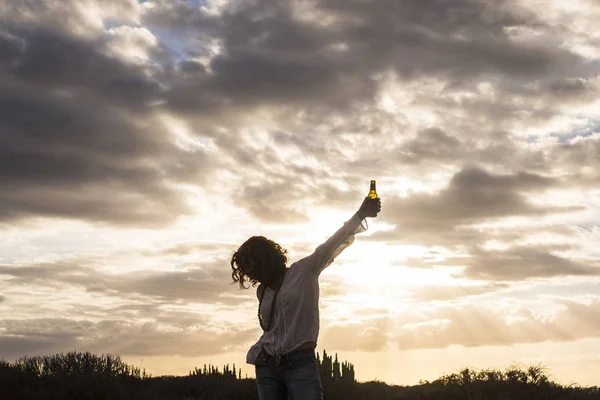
(326, 253)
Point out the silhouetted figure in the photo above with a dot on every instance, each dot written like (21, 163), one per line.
(288, 308)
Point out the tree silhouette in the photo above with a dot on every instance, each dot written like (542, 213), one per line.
(88, 376)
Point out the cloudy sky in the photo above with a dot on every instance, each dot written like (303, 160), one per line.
(142, 142)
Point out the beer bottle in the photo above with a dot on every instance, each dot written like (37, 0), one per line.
(372, 191)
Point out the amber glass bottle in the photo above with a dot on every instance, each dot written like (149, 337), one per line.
(372, 191)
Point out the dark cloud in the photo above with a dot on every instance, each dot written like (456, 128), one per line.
(274, 203)
(290, 189)
(579, 156)
(571, 157)
(511, 105)
(191, 248)
(522, 263)
(56, 61)
(79, 138)
(289, 202)
(436, 37)
(183, 17)
(14, 347)
(570, 88)
(271, 53)
(269, 57)
(204, 281)
(50, 335)
(70, 16)
(23, 274)
(449, 218)
(210, 284)
(432, 143)
(472, 196)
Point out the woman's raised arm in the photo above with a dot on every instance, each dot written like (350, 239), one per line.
(326, 253)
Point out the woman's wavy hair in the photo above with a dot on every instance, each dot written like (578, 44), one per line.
(256, 253)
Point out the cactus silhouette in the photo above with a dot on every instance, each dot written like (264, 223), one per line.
(333, 371)
(211, 370)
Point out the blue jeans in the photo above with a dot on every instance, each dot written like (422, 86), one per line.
(296, 377)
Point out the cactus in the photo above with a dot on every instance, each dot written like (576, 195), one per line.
(333, 371)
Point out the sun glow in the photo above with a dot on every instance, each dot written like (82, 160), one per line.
(376, 266)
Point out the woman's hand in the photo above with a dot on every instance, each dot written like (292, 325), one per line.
(369, 207)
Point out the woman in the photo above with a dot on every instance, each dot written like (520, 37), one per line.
(288, 308)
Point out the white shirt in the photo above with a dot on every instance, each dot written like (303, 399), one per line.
(296, 317)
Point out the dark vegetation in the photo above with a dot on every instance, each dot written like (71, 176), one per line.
(87, 376)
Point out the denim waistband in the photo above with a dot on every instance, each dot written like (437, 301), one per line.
(282, 359)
